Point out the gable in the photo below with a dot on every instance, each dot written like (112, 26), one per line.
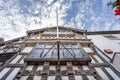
(69, 33)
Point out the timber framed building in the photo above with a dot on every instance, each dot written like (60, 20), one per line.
(41, 55)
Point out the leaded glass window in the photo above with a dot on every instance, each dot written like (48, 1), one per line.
(49, 52)
(67, 50)
(36, 53)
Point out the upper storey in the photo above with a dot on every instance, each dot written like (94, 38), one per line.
(51, 33)
(57, 45)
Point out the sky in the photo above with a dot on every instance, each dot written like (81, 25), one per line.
(19, 16)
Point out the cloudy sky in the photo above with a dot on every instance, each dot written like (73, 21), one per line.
(18, 16)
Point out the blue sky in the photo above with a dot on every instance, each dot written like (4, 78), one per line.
(18, 16)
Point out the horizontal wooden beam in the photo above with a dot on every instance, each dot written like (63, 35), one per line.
(54, 61)
(52, 41)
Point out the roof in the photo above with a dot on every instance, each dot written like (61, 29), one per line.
(61, 27)
(103, 32)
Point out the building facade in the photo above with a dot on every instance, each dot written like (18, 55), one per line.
(45, 54)
(107, 40)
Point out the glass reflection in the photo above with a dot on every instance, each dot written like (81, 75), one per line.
(78, 53)
(45, 52)
(75, 46)
(35, 53)
(49, 54)
(1, 63)
(67, 54)
(55, 53)
(39, 46)
(67, 50)
(67, 45)
(48, 45)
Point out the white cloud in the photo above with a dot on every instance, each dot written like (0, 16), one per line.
(49, 1)
(16, 23)
(16, 18)
(116, 27)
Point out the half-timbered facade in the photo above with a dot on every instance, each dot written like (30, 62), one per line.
(45, 54)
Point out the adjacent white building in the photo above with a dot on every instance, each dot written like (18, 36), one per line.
(107, 40)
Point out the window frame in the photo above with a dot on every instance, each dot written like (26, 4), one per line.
(84, 59)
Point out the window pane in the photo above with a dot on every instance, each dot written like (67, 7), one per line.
(71, 51)
(61, 54)
(55, 46)
(67, 54)
(78, 53)
(36, 53)
(67, 50)
(48, 45)
(67, 45)
(48, 53)
(75, 46)
(39, 46)
(1, 63)
(55, 53)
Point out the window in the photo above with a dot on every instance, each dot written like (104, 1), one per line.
(35, 53)
(111, 37)
(9, 48)
(63, 34)
(49, 52)
(1, 63)
(78, 53)
(67, 50)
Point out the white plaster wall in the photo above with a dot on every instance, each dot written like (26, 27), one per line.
(116, 61)
(103, 43)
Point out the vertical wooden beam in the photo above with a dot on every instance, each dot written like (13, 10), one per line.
(45, 71)
(58, 52)
(57, 22)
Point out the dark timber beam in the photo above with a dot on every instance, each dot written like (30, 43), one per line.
(58, 51)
